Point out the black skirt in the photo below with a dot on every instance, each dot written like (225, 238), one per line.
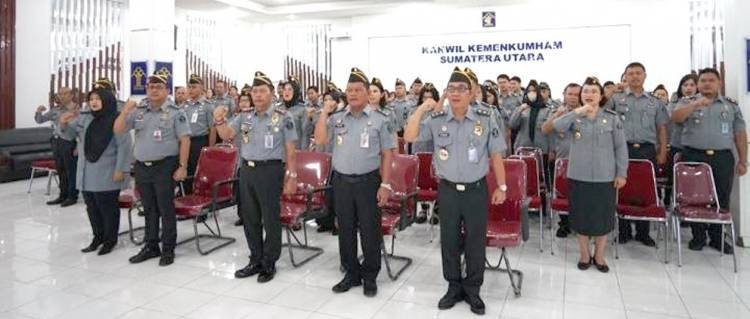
(592, 207)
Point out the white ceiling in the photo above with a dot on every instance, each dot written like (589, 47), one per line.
(273, 10)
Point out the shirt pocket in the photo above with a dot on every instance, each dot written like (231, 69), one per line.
(604, 132)
(443, 141)
(167, 128)
(139, 125)
(648, 118)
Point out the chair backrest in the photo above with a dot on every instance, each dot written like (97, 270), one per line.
(313, 171)
(640, 189)
(539, 155)
(694, 185)
(216, 163)
(515, 179)
(427, 179)
(404, 173)
(560, 183)
(532, 174)
(401, 145)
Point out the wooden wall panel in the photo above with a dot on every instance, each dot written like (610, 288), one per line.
(7, 64)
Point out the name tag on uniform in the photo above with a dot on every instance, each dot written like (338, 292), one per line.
(269, 141)
(157, 135)
(364, 140)
(194, 118)
(473, 156)
(724, 128)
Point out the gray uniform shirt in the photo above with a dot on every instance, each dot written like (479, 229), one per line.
(598, 149)
(53, 116)
(712, 127)
(510, 101)
(298, 113)
(359, 139)
(263, 136)
(225, 100)
(640, 115)
(157, 131)
(401, 108)
(462, 148)
(200, 115)
(520, 121)
(675, 129)
(97, 176)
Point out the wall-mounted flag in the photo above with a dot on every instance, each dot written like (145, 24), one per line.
(138, 77)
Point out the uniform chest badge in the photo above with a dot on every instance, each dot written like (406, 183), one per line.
(275, 118)
(478, 129)
(443, 154)
(339, 140)
(444, 128)
(604, 121)
(578, 135)
(139, 116)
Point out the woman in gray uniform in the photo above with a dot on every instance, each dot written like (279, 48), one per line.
(598, 165)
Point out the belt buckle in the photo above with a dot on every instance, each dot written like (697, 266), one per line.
(636, 145)
(460, 187)
(251, 163)
(710, 152)
(148, 164)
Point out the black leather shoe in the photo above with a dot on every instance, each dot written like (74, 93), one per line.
(166, 259)
(145, 254)
(434, 220)
(345, 284)
(728, 249)
(585, 265)
(69, 202)
(476, 303)
(370, 288)
(624, 238)
(562, 232)
(421, 217)
(450, 299)
(335, 231)
(106, 248)
(647, 241)
(238, 222)
(602, 268)
(266, 275)
(696, 244)
(324, 228)
(93, 246)
(251, 269)
(56, 201)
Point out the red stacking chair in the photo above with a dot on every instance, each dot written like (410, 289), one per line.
(313, 170)
(43, 166)
(398, 213)
(212, 191)
(540, 160)
(559, 204)
(638, 200)
(130, 199)
(428, 186)
(504, 221)
(534, 191)
(694, 200)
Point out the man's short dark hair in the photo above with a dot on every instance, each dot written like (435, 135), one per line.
(503, 76)
(516, 78)
(314, 88)
(635, 65)
(571, 85)
(608, 83)
(709, 71)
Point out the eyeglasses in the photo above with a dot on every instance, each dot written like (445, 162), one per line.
(457, 89)
(156, 87)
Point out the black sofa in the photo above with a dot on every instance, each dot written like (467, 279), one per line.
(19, 148)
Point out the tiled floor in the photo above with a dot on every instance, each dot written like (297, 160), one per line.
(43, 275)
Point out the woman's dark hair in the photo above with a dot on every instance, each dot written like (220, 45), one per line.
(248, 95)
(428, 88)
(486, 96)
(335, 95)
(593, 81)
(608, 83)
(377, 84)
(661, 87)
(684, 79)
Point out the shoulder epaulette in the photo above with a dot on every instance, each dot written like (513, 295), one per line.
(482, 111)
(384, 111)
(438, 114)
(279, 110)
(730, 100)
(610, 111)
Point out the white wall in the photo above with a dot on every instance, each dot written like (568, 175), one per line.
(32, 59)
(659, 35)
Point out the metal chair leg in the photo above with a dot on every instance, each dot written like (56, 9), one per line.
(723, 236)
(31, 180)
(734, 245)
(617, 238)
(679, 241)
(510, 271)
(316, 251)
(49, 183)
(666, 240)
(388, 256)
(552, 217)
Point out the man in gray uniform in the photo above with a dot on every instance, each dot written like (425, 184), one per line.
(180, 95)
(222, 97)
(401, 106)
(644, 118)
(561, 141)
(200, 114)
(162, 132)
(466, 138)
(63, 144)
(363, 147)
(712, 127)
(268, 137)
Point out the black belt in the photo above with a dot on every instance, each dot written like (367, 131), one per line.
(156, 162)
(199, 137)
(463, 186)
(706, 152)
(639, 145)
(254, 164)
(357, 178)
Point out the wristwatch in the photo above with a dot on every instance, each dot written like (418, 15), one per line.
(291, 175)
(503, 188)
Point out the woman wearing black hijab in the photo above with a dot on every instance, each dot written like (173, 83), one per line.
(291, 97)
(103, 161)
(529, 118)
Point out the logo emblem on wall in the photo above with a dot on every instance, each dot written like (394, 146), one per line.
(488, 19)
(165, 68)
(138, 77)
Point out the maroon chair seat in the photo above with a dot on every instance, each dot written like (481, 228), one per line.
(313, 170)
(46, 165)
(534, 191)
(694, 199)
(504, 221)
(213, 186)
(399, 212)
(559, 204)
(638, 200)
